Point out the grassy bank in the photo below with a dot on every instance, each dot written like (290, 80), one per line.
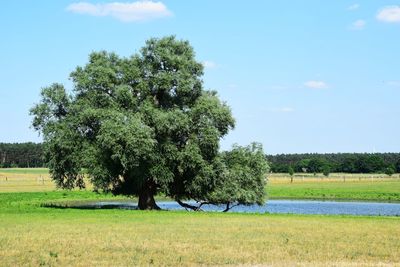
(360, 188)
(33, 235)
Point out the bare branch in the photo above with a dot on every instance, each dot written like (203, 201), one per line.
(228, 207)
(187, 206)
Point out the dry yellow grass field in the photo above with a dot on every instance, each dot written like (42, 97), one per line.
(27, 182)
(127, 238)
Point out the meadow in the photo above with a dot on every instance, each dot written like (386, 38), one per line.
(357, 187)
(25, 180)
(338, 186)
(33, 235)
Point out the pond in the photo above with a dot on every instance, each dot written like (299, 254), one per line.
(276, 206)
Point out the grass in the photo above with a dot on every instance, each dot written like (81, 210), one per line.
(34, 235)
(335, 188)
(43, 171)
(369, 187)
(25, 180)
(31, 234)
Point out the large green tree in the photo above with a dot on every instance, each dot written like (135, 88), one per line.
(144, 125)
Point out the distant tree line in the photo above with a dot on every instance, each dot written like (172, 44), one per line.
(31, 155)
(340, 162)
(22, 155)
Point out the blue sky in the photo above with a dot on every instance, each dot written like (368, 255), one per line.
(300, 76)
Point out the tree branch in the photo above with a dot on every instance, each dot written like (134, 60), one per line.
(192, 207)
(187, 206)
(228, 207)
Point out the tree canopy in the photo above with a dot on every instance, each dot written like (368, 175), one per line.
(144, 125)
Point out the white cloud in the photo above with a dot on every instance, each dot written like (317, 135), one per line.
(209, 64)
(353, 7)
(316, 85)
(126, 12)
(393, 83)
(358, 25)
(286, 109)
(390, 14)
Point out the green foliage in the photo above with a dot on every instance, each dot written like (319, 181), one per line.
(390, 170)
(326, 170)
(243, 177)
(23, 155)
(291, 171)
(303, 165)
(339, 162)
(144, 125)
(398, 166)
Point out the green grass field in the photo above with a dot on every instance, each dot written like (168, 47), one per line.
(336, 189)
(33, 235)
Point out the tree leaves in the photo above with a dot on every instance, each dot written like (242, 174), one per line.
(145, 124)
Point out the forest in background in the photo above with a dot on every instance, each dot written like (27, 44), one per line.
(21, 155)
(336, 162)
(30, 155)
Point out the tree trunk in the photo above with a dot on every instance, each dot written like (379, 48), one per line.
(227, 207)
(146, 196)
